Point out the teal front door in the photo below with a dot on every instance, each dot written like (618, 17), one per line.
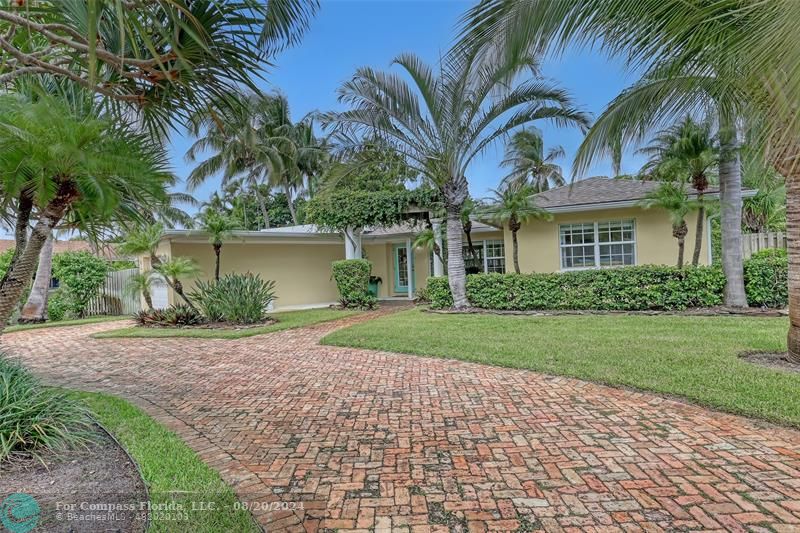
(401, 269)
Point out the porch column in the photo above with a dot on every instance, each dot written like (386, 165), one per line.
(352, 243)
(438, 266)
(410, 268)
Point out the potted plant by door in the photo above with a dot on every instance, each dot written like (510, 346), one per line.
(374, 281)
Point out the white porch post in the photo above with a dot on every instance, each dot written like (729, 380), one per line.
(410, 268)
(352, 243)
(438, 266)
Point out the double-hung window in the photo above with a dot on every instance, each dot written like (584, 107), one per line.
(597, 244)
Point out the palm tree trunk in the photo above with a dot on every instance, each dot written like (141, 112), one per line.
(177, 286)
(730, 185)
(456, 274)
(261, 204)
(24, 209)
(787, 163)
(288, 190)
(681, 246)
(20, 274)
(698, 232)
(515, 250)
(35, 309)
(148, 299)
(467, 228)
(217, 252)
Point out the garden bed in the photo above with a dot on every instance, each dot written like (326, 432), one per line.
(228, 326)
(100, 474)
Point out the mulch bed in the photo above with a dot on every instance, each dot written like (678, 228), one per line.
(778, 360)
(91, 478)
(704, 311)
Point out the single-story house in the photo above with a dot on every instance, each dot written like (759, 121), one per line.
(597, 223)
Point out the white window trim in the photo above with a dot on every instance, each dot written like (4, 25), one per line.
(597, 244)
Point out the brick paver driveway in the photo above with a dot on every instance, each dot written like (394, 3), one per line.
(383, 442)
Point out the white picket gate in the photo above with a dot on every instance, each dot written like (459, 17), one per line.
(754, 242)
(112, 298)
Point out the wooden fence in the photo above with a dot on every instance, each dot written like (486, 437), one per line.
(754, 242)
(113, 299)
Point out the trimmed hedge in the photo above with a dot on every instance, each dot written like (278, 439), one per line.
(352, 280)
(765, 276)
(617, 289)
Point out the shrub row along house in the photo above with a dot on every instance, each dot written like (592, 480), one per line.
(596, 223)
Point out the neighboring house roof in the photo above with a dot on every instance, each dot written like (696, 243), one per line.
(604, 193)
(106, 251)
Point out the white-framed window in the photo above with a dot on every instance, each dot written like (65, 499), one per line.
(597, 244)
(489, 254)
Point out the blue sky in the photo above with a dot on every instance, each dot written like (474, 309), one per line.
(348, 34)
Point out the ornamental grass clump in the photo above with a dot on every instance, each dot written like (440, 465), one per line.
(36, 419)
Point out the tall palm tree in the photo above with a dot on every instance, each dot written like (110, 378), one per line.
(530, 164)
(513, 204)
(218, 228)
(736, 57)
(671, 197)
(60, 160)
(685, 151)
(441, 120)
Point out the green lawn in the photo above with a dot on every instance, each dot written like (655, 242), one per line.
(285, 320)
(62, 323)
(693, 357)
(172, 471)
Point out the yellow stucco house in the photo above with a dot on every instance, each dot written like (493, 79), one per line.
(596, 224)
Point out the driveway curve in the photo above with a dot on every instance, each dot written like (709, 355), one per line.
(350, 439)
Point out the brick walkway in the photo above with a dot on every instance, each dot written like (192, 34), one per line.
(381, 442)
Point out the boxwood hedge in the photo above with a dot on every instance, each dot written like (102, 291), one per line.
(648, 287)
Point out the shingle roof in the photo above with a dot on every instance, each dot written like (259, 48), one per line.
(599, 190)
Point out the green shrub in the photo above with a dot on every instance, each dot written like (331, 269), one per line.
(5, 260)
(57, 306)
(176, 315)
(617, 289)
(352, 280)
(765, 276)
(34, 418)
(235, 298)
(81, 275)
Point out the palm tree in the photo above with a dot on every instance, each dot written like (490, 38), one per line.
(685, 150)
(61, 160)
(441, 121)
(141, 283)
(160, 60)
(733, 57)
(218, 228)
(672, 197)
(426, 239)
(513, 204)
(530, 164)
(176, 268)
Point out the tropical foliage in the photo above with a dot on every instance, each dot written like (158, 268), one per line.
(530, 164)
(218, 227)
(352, 280)
(80, 274)
(64, 161)
(514, 205)
(235, 298)
(672, 198)
(36, 419)
(735, 58)
(440, 119)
